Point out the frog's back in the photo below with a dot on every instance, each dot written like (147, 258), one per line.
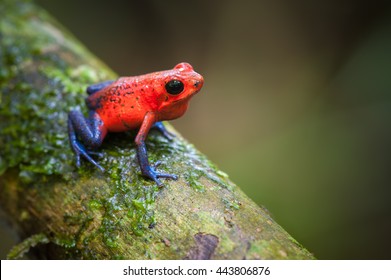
(119, 105)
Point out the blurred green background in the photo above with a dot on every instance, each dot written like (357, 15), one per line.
(296, 105)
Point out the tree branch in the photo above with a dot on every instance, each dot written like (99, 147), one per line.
(65, 212)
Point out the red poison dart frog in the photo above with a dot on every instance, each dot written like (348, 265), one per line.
(139, 102)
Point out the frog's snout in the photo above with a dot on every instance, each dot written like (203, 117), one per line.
(198, 82)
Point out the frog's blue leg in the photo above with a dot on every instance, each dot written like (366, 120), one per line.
(90, 131)
(146, 169)
(97, 87)
(163, 130)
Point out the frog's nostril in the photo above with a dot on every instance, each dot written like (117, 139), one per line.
(197, 84)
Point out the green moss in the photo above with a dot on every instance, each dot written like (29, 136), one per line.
(272, 249)
(64, 241)
(226, 245)
(193, 179)
(136, 194)
(111, 242)
(37, 90)
(19, 251)
(43, 75)
(95, 204)
(33, 130)
(231, 204)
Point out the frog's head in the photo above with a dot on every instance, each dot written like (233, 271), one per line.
(178, 86)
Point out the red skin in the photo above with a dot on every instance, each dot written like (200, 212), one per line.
(124, 104)
(130, 103)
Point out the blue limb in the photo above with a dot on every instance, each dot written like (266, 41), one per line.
(163, 130)
(91, 132)
(97, 87)
(146, 169)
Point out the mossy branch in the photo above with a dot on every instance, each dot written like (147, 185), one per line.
(65, 212)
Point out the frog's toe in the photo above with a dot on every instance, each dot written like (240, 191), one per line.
(98, 154)
(165, 175)
(161, 174)
(99, 167)
(152, 174)
(157, 175)
(78, 160)
(81, 151)
(158, 182)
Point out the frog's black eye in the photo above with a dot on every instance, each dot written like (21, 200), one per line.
(174, 87)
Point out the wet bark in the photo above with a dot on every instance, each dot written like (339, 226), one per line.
(61, 211)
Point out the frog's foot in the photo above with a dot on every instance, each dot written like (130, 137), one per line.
(151, 173)
(80, 150)
(163, 130)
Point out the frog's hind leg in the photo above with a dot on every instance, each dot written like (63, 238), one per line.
(90, 131)
(97, 87)
(163, 130)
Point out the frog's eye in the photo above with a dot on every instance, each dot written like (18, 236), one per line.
(174, 87)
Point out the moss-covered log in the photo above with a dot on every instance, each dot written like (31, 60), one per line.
(66, 212)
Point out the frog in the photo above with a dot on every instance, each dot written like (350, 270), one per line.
(129, 103)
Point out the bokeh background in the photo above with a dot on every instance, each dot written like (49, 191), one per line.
(296, 105)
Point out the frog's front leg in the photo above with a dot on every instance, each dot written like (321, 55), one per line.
(142, 155)
(90, 131)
